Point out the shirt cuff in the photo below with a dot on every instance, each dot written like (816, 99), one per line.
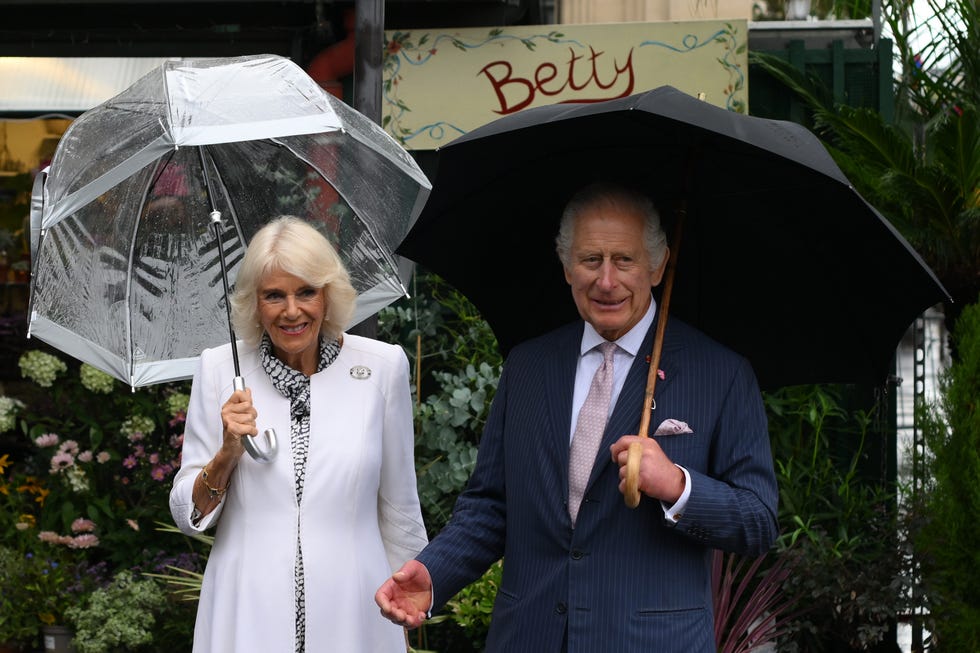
(673, 513)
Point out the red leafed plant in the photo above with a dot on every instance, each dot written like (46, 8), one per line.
(752, 607)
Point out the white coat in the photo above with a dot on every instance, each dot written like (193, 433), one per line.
(358, 521)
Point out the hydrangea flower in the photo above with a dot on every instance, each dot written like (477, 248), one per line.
(9, 407)
(96, 380)
(178, 402)
(135, 427)
(41, 368)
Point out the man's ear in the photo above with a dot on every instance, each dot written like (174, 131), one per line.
(656, 276)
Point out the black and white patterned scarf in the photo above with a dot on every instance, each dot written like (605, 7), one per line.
(295, 386)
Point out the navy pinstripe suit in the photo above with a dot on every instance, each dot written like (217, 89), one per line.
(622, 579)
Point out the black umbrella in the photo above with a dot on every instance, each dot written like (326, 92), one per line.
(782, 260)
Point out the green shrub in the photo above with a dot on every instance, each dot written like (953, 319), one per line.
(945, 515)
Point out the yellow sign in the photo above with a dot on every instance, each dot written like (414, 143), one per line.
(440, 84)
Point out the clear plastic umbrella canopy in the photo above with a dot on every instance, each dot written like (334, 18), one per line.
(126, 270)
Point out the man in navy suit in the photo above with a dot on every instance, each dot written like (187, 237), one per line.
(613, 579)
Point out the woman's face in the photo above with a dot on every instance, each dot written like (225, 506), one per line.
(291, 311)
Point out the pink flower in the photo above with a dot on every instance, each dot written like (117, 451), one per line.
(53, 538)
(154, 458)
(103, 457)
(139, 451)
(82, 525)
(158, 473)
(69, 446)
(47, 440)
(85, 541)
(48, 536)
(135, 437)
(85, 457)
(61, 461)
(179, 418)
(129, 462)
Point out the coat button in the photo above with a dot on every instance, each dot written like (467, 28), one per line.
(577, 555)
(561, 608)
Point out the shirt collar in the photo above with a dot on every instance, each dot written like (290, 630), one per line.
(629, 342)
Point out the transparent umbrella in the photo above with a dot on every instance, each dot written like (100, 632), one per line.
(140, 222)
(126, 268)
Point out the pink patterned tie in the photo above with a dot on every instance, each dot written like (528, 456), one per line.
(588, 431)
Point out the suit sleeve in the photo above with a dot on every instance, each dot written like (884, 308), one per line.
(733, 506)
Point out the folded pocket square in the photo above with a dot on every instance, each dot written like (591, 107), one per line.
(673, 427)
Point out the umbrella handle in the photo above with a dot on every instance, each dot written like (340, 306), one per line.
(631, 493)
(249, 441)
(631, 489)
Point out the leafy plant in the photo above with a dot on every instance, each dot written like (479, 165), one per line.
(840, 519)
(18, 622)
(472, 606)
(457, 367)
(946, 529)
(119, 616)
(923, 171)
(752, 604)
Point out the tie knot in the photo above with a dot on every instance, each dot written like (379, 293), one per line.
(608, 349)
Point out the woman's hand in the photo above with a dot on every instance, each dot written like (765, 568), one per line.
(238, 418)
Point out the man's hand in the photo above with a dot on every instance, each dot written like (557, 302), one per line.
(406, 597)
(659, 477)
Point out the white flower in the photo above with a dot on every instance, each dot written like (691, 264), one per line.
(136, 426)
(96, 380)
(9, 407)
(41, 368)
(177, 403)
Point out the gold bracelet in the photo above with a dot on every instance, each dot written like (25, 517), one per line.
(213, 492)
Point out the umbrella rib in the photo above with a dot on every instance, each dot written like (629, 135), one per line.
(393, 266)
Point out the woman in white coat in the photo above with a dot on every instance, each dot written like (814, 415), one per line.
(301, 543)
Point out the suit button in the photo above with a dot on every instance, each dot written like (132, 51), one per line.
(561, 608)
(577, 555)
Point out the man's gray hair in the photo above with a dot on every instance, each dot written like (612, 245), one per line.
(612, 194)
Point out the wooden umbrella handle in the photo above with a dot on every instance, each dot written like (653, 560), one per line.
(631, 491)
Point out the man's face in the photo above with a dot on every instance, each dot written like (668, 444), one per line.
(609, 270)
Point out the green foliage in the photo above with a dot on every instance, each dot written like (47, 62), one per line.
(457, 367)
(120, 616)
(472, 607)
(841, 522)
(923, 172)
(18, 625)
(947, 528)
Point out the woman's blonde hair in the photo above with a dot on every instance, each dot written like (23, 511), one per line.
(294, 246)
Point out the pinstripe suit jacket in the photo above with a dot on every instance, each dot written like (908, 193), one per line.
(623, 579)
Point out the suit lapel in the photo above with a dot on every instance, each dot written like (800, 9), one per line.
(558, 360)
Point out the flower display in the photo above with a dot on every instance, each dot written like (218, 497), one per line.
(85, 477)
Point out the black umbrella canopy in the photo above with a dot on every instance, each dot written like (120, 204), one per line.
(781, 259)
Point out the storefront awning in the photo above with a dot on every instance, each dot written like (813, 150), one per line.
(45, 85)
